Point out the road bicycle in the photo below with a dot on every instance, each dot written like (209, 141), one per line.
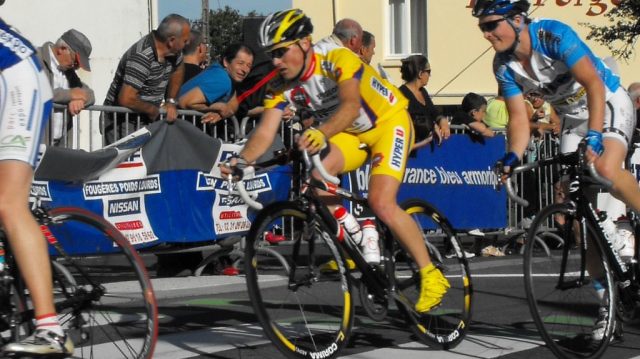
(105, 303)
(572, 289)
(306, 309)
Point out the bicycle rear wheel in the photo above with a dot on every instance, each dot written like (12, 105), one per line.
(568, 290)
(306, 310)
(105, 303)
(446, 325)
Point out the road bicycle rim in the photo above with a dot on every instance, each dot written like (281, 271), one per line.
(566, 308)
(119, 319)
(305, 307)
(446, 325)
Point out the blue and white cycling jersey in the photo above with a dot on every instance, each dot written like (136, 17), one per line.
(14, 47)
(25, 97)
(555, 49)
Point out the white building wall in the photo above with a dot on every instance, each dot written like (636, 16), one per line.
(112, 26)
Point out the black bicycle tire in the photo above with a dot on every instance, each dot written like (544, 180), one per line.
(273, 333)
(446, 340)
(536, 226)
(65, 214)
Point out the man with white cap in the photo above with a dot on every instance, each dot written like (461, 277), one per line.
(61, 60)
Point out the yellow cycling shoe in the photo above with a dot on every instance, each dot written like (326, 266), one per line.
(332, 266)
(433, 286)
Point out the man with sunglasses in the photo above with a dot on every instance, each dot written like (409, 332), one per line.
(61, 60)
(548, 57)
(352, 105)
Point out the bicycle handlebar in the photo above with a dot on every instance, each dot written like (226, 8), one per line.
(250, 170)
(562, 158)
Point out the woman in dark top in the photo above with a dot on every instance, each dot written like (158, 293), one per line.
(427, 120)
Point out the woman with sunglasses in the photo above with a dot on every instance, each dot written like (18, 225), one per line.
(426, 118)
(548, 57)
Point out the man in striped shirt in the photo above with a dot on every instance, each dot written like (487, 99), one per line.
(149, 70)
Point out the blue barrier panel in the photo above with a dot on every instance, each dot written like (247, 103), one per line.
(456, 177)
(186, 206)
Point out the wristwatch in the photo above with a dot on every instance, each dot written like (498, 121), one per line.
(172, 101)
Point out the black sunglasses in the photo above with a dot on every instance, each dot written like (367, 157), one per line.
(279, 52)
(489, 26)
(427, 71)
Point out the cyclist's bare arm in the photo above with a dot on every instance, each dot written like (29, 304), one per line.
(263, 136)
(585, 73)
(518, 129)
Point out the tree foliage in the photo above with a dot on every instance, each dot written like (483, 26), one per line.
(621, 35)
(225, 27)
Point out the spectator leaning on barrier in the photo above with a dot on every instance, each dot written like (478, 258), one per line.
(497, 115)
(149, 70)
(544, 118)
(26, 92)
(212, 91)
(472, 112)
(426, 118)
(61, 60)
(368, 48)
(195, 55)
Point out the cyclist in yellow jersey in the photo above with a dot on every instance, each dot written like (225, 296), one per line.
(353, 105)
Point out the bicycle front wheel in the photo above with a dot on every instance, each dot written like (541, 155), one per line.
(305, 307)
(446, 325)
(105, 303)
(570, 290)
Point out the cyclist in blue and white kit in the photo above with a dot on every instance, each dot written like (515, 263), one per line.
(25, 106)
(548, 57)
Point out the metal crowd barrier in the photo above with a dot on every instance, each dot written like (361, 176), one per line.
(85, 131)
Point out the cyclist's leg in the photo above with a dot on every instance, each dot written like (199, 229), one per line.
(390, 143)
(25, 98)
(618, 129)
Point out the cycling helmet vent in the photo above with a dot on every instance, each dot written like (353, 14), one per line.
(500, 7)
(284, 27)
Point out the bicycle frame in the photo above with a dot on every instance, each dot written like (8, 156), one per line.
(581, 175)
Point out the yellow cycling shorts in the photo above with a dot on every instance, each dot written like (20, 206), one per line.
(389, 144)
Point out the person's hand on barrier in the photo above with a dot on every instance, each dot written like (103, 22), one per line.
(75, 106)
(211, 117)
(312, 140)
(172, 112)
(443, 129)
(594, 145)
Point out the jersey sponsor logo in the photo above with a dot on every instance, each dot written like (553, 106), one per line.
(384, 91)
(15, 44)
(397, 149)
(377, 159)
(14, 141)
(123, 207)
(300, 97)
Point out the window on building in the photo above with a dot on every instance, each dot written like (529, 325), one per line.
(407, 28)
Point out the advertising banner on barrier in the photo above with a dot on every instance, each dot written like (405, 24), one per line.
(456, 177)
(159, 185)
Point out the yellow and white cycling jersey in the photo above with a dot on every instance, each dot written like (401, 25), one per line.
(317, 90)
